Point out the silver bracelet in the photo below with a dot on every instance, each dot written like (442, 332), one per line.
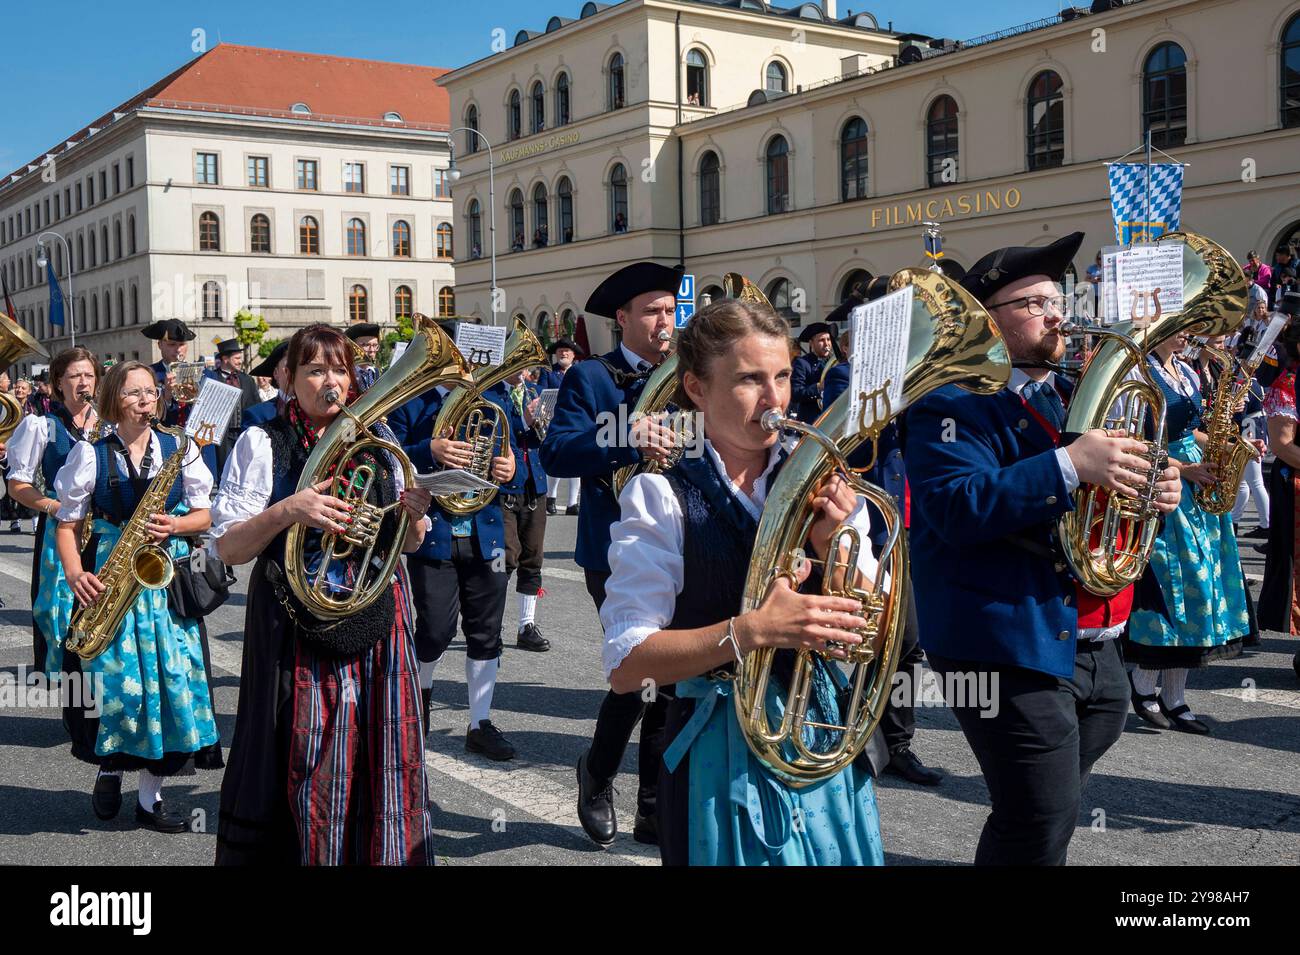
(731, 637)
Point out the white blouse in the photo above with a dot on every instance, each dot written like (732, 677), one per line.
(75, 483)
(645, 556)
(27, 445)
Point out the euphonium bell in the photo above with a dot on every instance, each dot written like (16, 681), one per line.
(15, 343)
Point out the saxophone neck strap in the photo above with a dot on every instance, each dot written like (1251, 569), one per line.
(623, 379)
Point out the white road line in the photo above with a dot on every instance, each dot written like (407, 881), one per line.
(1289, 698)
(563, 573)
(225, 656)
(18, 571)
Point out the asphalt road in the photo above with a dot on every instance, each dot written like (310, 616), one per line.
(1232, 798)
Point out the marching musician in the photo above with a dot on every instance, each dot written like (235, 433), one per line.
(679, 558)
(589, 438)
(41, 444)
(230, 371)
(153, 709)
(989, 476)
(173, 337)
(525, 520)
(365, 335)
(326, 765)
(454, 573)
(806, 388)
(563, 354)
(275, 367)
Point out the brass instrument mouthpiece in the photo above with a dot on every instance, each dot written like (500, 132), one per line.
(332, 396)
(664, 335)
(772, 420)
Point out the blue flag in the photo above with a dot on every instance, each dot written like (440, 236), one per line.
(56, 295)
(1146, 202)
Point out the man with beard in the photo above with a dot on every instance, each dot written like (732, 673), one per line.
(999, 611)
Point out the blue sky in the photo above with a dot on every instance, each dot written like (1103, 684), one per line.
(68, 62)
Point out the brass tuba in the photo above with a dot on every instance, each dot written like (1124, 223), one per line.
(1106, 538)
(368, 562)
(953, 340)
(15, 343)
(468, 416)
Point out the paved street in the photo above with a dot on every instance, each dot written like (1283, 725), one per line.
(1229, 799)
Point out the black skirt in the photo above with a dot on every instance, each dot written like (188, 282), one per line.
(1276, 595)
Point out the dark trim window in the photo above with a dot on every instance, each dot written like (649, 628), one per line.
(308, 236)
(471, 138)
(940, 138)
(1045, 122)
(518, 239)
(211, 301)
(259, 172)
(710, 189)
(779, 295)
(354, 177)
(307, 177)
(778, 175)
(514, 118)
(617, 82)
(209, 235)
(441, 184)
(1291, 73)
(117, 186)
(855, 281)
(1164, 96)
(117, 238)
(357, 306)
(538, 117)
(443, 236)
(403, 302)
(562, 100)
(853, 160)
(399, 180)
(205, 169)
(475, 230)
(402, 239)
(618, 199)
(130, 172)
(259, 234)
(775, 79)
(565, 191)
(356, 233)
(446, 302)
(130, 235)
(697, 79)
(541, 217)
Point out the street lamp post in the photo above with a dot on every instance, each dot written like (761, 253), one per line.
(454, 174)
(41, 261)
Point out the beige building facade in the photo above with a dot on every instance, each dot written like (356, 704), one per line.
(1002, 140)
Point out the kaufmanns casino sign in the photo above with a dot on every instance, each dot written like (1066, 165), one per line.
(933, 210)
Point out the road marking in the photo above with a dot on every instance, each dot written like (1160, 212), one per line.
(563, 573)
(1289, 698)
(20, 572)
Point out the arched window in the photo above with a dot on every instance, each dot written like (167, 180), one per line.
(475, 230)
(778, 175)
(617, 82)
(130, 234)
(402, 239)
(471, 121)
(81, 252)
(941, 141)
(776, 80)
(514, 114)
(356, 237)
(1164, 96)
(443, 236)
(403, 302)
(209, 234)
(710, 189)
(710, 294)
(446, 302)
(104, 235)
(117, 239)
(108, 308)
(135, 305)
(357, 307)
(562, 100)
(517, 238)
(538, 116)
(211, 301)
(853, 160)
(58, 261)
(779, 293)
(541, 217)
(308, 236)
(697, 79)
(121, 307)
(1045, 121)
(565, 191)
(855, 282)
(94, 312)
(259, 234)
(1290, 56)
(92, 248)
(618, 199)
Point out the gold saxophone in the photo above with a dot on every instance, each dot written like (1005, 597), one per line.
(1226, 450)
(135, 562)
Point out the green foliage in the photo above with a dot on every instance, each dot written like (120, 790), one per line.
(250, 328)
(268, 346)
(404, 333)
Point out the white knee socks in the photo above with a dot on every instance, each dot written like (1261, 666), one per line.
(150, 790)
(1173, 687)
(527, 609)
(481, 678)
(1144, 682)
(551, 484)
(426, 674)
(574, 486)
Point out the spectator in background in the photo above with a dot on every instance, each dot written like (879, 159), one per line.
(1094, 279)
(1283, 259)
(1257, 271)
(5, 386)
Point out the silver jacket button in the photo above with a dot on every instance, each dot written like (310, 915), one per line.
(1022, 424)
(1051, 499)
(1063, 635)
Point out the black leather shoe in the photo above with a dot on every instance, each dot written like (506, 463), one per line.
(904, 763)
(1259, 532)
(1181, 721)
(530, 638)
(1261, 548)
(160, 820)
(550, 506)
(426, 705)
(571, 511)
(645, 829)
(106, 800)
(1156, 718)
(489, 741)
(596, 806)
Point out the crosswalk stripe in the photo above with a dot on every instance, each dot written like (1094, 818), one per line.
(1289, 698)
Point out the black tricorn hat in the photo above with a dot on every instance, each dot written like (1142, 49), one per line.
(266, 368)
(362, 330)
(559, 343)
(999, 269)
(816, 328)
(168, 329)
(629, 282)
(229, 346)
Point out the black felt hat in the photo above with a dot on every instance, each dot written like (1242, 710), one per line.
(361, 330)
(559, 343)
(229, 346)
(629, 282)
(266, 368)
(168, 329)
(999, 269)
(816, 328)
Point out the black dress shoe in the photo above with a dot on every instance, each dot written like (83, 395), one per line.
(550, 506)
(645, 829)
(596, 806)
(1261, 548)
(160, 820)
(106, 800)
(1183, 722)
(571, 511)
(426, 705)
(530, 638)
(489, 741)
(1259, 532)
(1156, 718)
(904, 763)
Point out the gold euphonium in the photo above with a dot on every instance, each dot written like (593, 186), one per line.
(1107, 539)
(15, 343)
(431, 359)
(468, 416)
(953, 340)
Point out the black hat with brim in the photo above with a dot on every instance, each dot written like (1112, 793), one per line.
(816, 328)
(362, 330)
(559, 343)
(266, 368)
(168, 329)
(229, 346)
(999, 269)
(629, 282)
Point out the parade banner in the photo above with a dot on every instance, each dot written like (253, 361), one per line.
(1143, 211)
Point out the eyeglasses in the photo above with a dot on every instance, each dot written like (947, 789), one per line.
(135, 394)
(1037, 304)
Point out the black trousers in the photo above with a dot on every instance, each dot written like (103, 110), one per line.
(525, 523)
(464, 588)
(619, 713)
(1037, 749)
(898, 723)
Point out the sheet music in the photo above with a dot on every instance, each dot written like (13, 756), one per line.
(1146, 269)
(881, 330)
(212, 411)
(481, 344)
(1274, 329)
(451, 481)
(398, 349)
(546, 407)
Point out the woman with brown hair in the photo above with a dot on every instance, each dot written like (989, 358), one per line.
(327, 762)
(152, 709)
(679, 556)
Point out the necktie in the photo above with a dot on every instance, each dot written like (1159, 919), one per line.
(517, 398)
(1042, 397)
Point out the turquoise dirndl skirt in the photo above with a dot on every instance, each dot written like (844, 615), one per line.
(54, 601)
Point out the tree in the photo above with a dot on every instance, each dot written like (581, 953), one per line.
(250, 328)
(405, 332)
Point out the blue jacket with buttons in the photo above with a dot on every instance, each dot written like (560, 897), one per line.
(413, 425)
(527, 448)
(983, 471)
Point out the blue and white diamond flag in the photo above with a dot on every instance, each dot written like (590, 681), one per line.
(1135, 220)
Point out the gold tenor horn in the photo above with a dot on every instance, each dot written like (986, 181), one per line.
(1107, 538)
(468, 416)
(189, 379)
(369, 559)
(953, 340)
(15, 343)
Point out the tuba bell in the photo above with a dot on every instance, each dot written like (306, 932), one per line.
(953, 340)
(15, 343)
(1107, 539)
(468, 416)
